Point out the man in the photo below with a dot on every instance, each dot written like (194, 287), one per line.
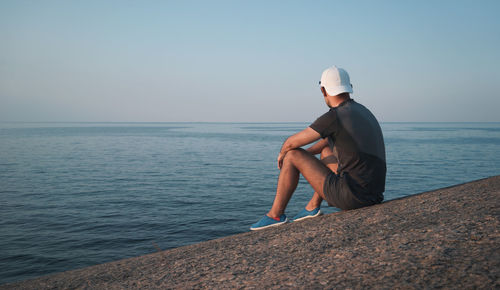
(352, 169)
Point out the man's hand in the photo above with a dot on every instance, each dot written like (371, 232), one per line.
(281, 156)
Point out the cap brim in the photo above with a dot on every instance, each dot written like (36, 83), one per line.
(333, 91)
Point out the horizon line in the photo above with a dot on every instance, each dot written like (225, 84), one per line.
(216, 122)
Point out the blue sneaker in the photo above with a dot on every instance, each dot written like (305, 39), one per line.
(305, 214)
(267, 222)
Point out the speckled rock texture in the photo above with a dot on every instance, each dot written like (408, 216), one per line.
(448, 238)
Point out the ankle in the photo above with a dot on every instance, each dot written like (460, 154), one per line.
(274, 214)
(310, 206)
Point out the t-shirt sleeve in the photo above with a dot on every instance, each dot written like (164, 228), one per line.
(326, 124)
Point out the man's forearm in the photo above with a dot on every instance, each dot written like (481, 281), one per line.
(318, 146)
(304, 137)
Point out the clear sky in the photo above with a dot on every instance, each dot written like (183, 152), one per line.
(246, 61)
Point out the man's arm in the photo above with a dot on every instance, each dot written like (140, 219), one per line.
(300, 139)
(318, 146)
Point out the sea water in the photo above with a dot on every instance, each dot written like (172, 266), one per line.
(79, 194)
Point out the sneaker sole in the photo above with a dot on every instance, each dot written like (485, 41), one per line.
(269, 226)
(308, 216)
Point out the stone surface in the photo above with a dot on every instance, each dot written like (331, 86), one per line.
(445, 238)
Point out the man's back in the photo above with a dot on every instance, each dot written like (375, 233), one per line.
(359, 144)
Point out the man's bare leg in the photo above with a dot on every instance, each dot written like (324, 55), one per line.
(329, 159)
(296, 162)
(314, 202)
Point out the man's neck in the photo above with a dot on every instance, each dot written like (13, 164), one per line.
(335, 101)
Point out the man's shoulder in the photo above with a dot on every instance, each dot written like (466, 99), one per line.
(325, 123)
(330, 114)
(352, 102)
(353, 105)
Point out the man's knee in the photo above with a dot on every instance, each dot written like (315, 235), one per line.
(295, 154)
(325, 152)
(329, 159)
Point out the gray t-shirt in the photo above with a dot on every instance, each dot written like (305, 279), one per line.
(359, 144)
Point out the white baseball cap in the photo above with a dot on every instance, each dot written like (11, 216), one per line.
(335, 81)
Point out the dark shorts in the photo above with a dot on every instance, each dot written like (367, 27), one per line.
(339, 194)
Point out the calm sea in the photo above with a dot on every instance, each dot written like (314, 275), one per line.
(79, 194)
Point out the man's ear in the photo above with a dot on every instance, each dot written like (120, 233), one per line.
(324, 92)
